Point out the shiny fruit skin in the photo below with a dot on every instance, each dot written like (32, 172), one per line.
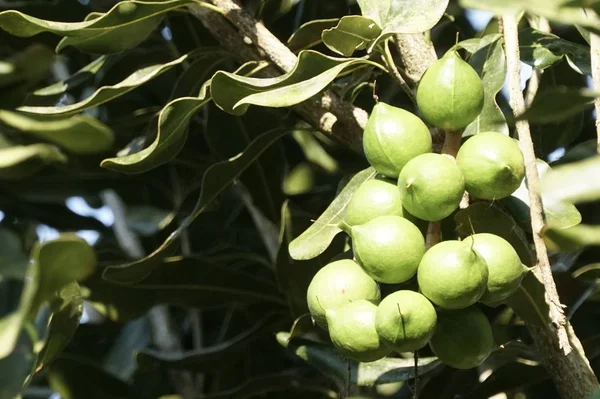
(504, 266)
(337, 284)
(452, 275)
(373, 198)
(389, 248)
(492, 164)
(392, 137)
(352, 331)
(405, 320)
(431, 186)
(450, 94)
(463, 338)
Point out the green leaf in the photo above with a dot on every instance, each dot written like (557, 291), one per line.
(16, 368)
(543, 49)
(554, 10)
(74, 378)
(294, 276)
(310, 33)
(529, 302)
(352, 33)
(588, 272)
(510, 377)
(557, 104)
(488, 60)
(193, 78)
(66, 309)
(403, 16)
(80, 134)
(316, 239)
(193, 281)
(13, 261)
(312, 73)
(327, 360)
(314, 151)
(53, 265)
(22, 161)
(573, 238)
(125, 26)
(574, 182)
(108, 93)
(147, 220)
(482, 217)
(216, 178)
(207, 358)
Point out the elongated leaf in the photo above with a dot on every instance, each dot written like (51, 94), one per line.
(53, 265)
(543, 49)
(488, 60)
(316, 239)
(205, 359)
(326, 359)
(573, 238)
(529, 301)
(314, 151)
(66, 308)
(22, 161)
(554, 10)
(352, 33)
(75, 378)
(310, 33)
(16, 368)
(183, 282)
(575, 182)
(191, 81)
(403, 16)
(108, 93)
(507, 378)
(215, 180)
(482, 217)
(80, 134)
(557, 104)
(311, 74)
(13, 260)
(125, 26)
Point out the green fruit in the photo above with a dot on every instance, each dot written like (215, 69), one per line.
(337, 284)
(452, 275)
(504, 266)
(492, 164)
(352, 331)
(450, 93)
(392, 137)
(405, 321)
(373, 198)
(463, 338)
(389, 248)
(431, 186)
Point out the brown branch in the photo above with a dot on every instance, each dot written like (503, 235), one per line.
(561, 351)
(248, 39)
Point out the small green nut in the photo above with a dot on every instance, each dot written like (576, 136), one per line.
(405, 321)
(452, 275)
(352, 331)
(431, 186)
(392, 137)
(504, 266)
(450, 93)
(492, 164)
(389, 248)
(373, 198)
(463, 338)
(336, 284)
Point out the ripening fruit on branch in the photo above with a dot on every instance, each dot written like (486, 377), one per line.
(392, 137)
(450, 93)
(373, 198)
(452, 275)
(405, 321)
(431, 186)
(463, 338)
(337, 284)
(352, 331)
(389, 248)
(492, 164)
(504, 266)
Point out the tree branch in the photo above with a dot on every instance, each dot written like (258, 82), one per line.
(569, 368)
(248, 39)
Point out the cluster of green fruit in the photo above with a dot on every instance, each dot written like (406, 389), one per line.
(344, 297)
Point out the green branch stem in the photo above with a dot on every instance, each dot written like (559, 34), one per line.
(393, 70)
(595, 56)
(559, 348)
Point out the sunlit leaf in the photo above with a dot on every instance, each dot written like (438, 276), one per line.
(352, 33)
(22, 161)
(310, 33)
(557, 104)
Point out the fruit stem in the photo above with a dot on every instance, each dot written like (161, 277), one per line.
(393, 70)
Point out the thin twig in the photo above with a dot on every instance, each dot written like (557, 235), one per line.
(393, 69)
(416, 391)
(595, 55)
(543, 25)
